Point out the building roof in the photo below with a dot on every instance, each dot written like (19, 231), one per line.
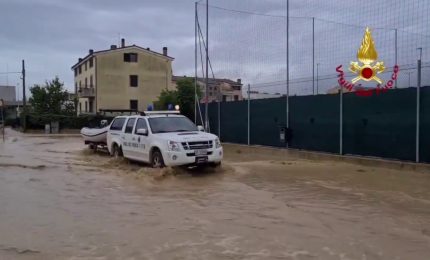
(120, 48)
(212, 81)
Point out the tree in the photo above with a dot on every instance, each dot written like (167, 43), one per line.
(51, 98)
(185, 88)
(166, 97)
(182, 96)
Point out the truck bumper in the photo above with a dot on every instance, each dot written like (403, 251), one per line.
(188, 158)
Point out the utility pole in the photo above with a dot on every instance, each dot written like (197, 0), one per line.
(207, 68)
(195, 65)
(24, 100)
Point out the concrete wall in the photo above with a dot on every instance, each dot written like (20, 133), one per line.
(113, 82)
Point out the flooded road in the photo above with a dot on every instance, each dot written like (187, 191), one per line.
(59, 200)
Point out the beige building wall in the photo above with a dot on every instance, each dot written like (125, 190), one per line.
(82, 81)
(113, 79)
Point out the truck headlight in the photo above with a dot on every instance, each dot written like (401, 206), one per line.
(217, 143)
(173, 146)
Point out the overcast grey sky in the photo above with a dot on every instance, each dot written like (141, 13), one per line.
(52, 34)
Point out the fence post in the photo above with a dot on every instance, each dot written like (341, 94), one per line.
(341, 121)
(395, 53)
(249, 114)
(287, 101)
(313, 55)
(219, 117)
(417, 145)
(2, 116)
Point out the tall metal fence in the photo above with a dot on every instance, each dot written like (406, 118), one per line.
(248, 40)
(380, 125)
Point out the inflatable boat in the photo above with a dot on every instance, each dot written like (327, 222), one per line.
(95, 136)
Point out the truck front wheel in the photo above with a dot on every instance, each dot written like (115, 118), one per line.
(157, 159)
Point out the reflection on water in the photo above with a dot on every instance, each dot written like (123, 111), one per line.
(60, 200)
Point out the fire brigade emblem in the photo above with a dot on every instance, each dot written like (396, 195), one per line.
(367, 67)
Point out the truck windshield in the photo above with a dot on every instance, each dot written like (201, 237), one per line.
(171, 124)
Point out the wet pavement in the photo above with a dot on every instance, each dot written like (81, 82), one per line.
(59, 200)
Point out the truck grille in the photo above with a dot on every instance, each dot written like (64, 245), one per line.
(197, 145)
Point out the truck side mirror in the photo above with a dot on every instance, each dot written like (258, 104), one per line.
(200, 128)
(142, 131)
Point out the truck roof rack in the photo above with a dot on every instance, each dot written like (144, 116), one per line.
(161, 112)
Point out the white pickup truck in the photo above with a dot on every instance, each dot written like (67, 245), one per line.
(163, 139)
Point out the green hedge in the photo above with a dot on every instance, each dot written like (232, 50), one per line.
(36, 121)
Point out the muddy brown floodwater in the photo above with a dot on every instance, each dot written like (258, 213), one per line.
(58, 200)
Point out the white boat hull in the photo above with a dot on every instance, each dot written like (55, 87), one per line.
(94, 135)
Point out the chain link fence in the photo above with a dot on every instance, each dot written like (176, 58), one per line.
(249, 41)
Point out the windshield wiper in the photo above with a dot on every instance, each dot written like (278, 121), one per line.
(183, 130)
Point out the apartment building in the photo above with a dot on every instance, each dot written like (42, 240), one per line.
(218, 89)
(121, 78)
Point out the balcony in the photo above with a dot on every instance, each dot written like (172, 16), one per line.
(86, 92)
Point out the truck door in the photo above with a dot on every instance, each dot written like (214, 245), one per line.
(128, 139)
(142, 141)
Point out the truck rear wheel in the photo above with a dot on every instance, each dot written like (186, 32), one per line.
(157, 159)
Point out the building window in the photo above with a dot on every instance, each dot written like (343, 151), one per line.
(130, 57)
(224, 98)
(76, 72)
(80, 85)
(80, 69)
(91, 81)
(210, 93)
(129, 126)
(141, 124)
(86, 106)
(117, 124)
(133, 81)
(236, 97)
(91, 62)
(86, 82)
(85, 65)
(91, 106)
(133, 104)
(80, 107)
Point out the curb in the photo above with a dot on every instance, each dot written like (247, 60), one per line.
(356, 159)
